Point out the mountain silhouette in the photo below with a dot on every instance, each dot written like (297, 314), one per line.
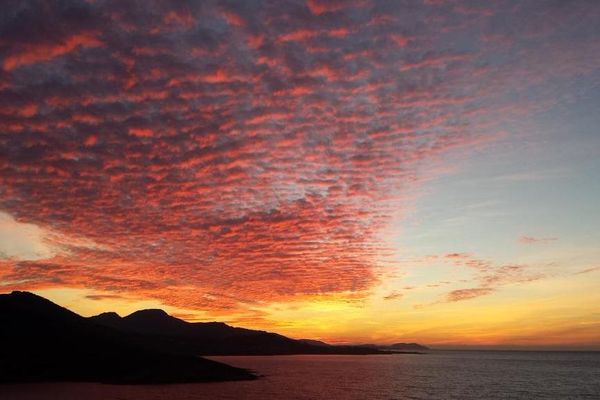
(161, 331)
(41, 341)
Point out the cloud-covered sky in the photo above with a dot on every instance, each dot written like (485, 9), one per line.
(288, 164)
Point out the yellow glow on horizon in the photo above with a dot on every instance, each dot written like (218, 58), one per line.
(557, 311)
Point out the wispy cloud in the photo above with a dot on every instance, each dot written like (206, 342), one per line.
(487, 275)
(103, 296)
(587, 270)
(395, 295)
(536, 240)
(533, 176)
(466, 294)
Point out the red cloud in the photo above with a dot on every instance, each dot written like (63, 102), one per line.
(39, 52)
(233, 18)
(141, 132)
(400, 40)
(183, 18)
(228, 158)
(318, 7)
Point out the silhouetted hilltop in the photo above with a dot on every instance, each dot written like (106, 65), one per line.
(41, 341)
(107, 318)
(162, 331)
(153, 321)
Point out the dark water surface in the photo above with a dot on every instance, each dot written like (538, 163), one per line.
(461, 375)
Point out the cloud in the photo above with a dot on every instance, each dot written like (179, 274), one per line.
(45, 52)
(536, 240)
(219, 155)
(22, 241)
(466, 294)
(103, 296)
(587, 270)
(486, 274)
(318, 7)
(395, 295)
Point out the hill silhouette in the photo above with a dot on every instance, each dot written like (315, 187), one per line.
(41, 341)
(159, 330)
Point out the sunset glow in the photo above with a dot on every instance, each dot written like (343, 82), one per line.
(348, 171)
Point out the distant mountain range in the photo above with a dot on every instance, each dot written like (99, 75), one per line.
(41, 341)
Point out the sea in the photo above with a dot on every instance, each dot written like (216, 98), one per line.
(461, 375)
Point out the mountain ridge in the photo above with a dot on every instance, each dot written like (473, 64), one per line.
(159, 322)
(216, 338)
(41, 341)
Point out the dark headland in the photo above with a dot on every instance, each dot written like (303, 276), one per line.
(42, 341)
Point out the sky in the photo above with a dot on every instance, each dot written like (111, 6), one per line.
(353, 171)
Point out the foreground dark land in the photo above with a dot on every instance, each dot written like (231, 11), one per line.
(43, 342)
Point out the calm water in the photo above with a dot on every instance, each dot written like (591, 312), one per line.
(438, 375)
